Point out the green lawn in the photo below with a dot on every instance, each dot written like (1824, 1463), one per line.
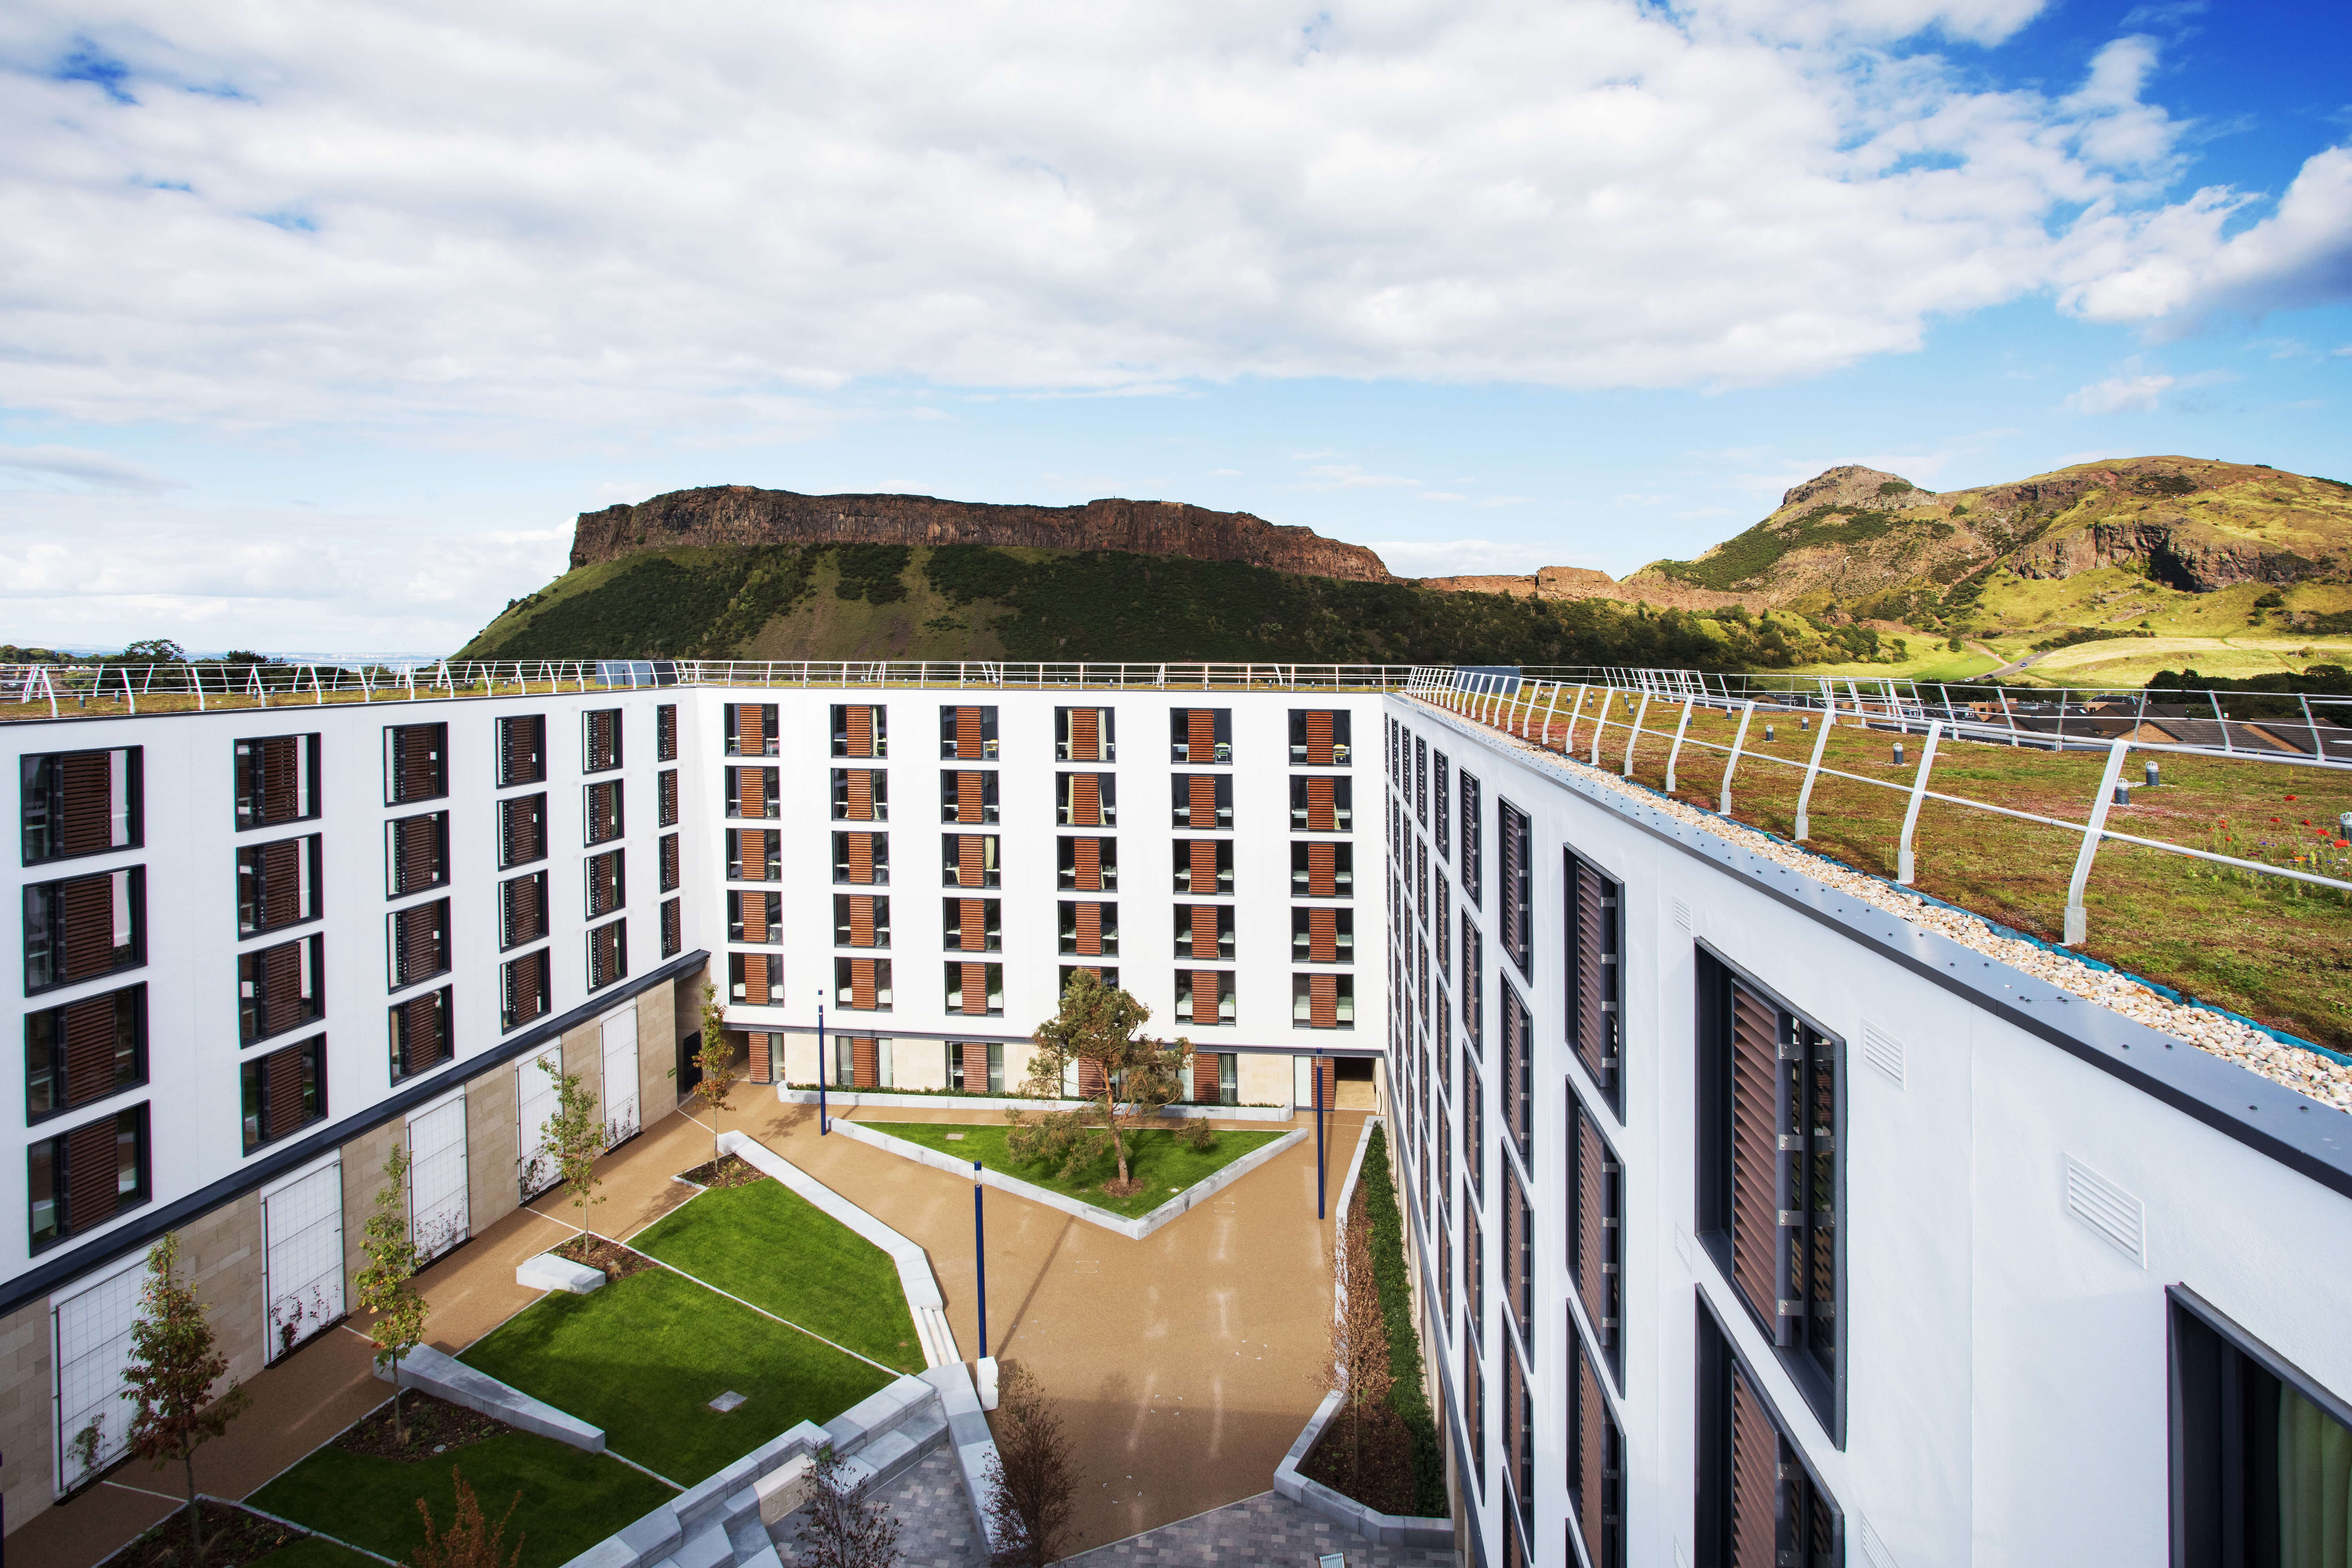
(570, 1501)
(643, 1357)
(1164, 1166)
(777, 1250)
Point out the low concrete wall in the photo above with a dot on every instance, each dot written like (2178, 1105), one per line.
(1133, 1229)
(990, 1102)
(1386, 1529)
(438, 1372)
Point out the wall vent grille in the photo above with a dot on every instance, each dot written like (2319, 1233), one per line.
(1883, 1051)
(1682, 914)
(2117, 1215)
(1874, 1549)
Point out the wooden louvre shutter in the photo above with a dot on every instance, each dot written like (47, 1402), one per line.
(420, 940)
(1205, 1081)
(1323, 1001)
(752, 791)
(968, 793)
(975, 1068)
(1204, 793)
(1204, 930)
(861, 921)
(1085, 859)
(528, 919)
(1591, 1455)
(420, 1034)
(281, 882)
(1756, 1163)
(1595, 987)
(91, 1165)
(1326, 1071)
(865, 1055)
(974, 987)
(861, 983)
(89, 1050)
(1089, 922)
(1323, 935)
(281, 987)
(1204, 865)
(1201, 735)
(283, 1089)
(967, 733)
(1086, 800)
(1091, 1081)
(1322, 816)
(751, 730)
(518, 749)
(759, 1060)
(1754, 1480)
(1322, 871)
(755, 915)
(1205, 992)
(87, 785)
(281, 796)
(417, 843)
(1086, 734)
(859, 785)
(1516, 1242)
(860, 723)
(861, 857)
(420, 761)
(1318, 739)
(755, 979)
(971, 919)
(1515, 1437)
(970, 866)
(89, 926)
(1591, 1243)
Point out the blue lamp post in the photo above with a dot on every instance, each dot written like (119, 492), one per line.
(823, 1126)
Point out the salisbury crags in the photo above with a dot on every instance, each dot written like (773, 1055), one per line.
(739, 515)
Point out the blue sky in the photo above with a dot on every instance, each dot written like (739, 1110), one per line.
(311, 345)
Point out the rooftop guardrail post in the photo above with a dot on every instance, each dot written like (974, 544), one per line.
(1568, 742)
(1674, 753)
(2077, 920)
(1738, 740)
(2313, 725)
(1812, 771)
(1634, 739)
(1918, 794)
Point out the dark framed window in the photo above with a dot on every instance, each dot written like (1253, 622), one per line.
(277, 884)
(84, 1051)
(604, 822)
(860, 730)
(1204, 867)
(756, 855)
(1518, 1053)
(967, 795)
(82, 803)
(1322, 934)
(861, 794)
(1086, 800)
(281, 988)
(415, 763)
(1472, 841)
(968, 861)
(750, 792)
(750, 729)
(1770, 1182)
(522, 831)
(863, 984)
(1757, 1499)
(277, 780)
(673, 928)
(666, 732)
(755, 979)
(756, 918)
(1596, 1234)
(1518, 1462)
(967, 734)
(1473, 1283)
(522, 749)
(1087, 865)
(1442, 830)
(1474, 985)
(1596, 1463)
(1321, 869)
(523, 990)
(1323, 1001)
(1088, 929)
(972, 925)
(665, 798)
(859, 920)
(608, 955)
(1205, 997)
(77, 1181)
(1593, 923)
(420, 1033)
(1204, 932)
(1322, 803)
(1201, 735)
(1517, 887)
(283, 1091)
(1086, 734)
(417, 853)
(1474, 1131)
(416, 942)
(862, 860)
(1203, 802)
(600, 740)
(2262, 1454)
(1519, 1256)
(607, 882)
(81, 928)
(1320, 737)
(1420, 780)
(522, 909)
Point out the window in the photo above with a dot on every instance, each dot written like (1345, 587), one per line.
(1441, 924)
(1321, 804)
(1203, 802)
(81, 802)
(860, 731)
(415, 763)
(859, 920)
(277, 884)
(600, 740)
(80, 1180)
(665, 854)
(417, 853)
(1473, 1389)
(755, 979)
(1474, 985)
(1442, 830)
(750, 792)
(1770, 1184)
(2262, 1456)
(1204, 997)
(673, 928)
(1421, 781)
(861, 794)
(1322, 1000)
(522, 749)
(607, 882)
(1087, 865)
(967, 859)
(1105, 974)
(1086, 800)
(1420, 878)
(969, 796)
(608, 955)
(283, 1091)
(1204, 867)
(1596, 1234)
(1319, 736)
(1198, 735)
(522, 831)
(666, 732)
(1086, 735)
(1518, 1461)
(522, 990)
(84, 927)
(1518, 1258)
(968, 735)
(1593, 923)
(416, 942)
(755, 918)
(750, 729)
(605, 817)
(1757, 1499)
(522, 909)
(1474, 1279)
(1216, 1077)
(1204, 931)
(972, 925)
(665, 798)
(863, 859)
(84, 1051)
(277, 780)
(1596, 1465)
(420, 1034)
(1473, 861)
(1090, 930)
(1474, 1131)
(1322, 935)
(1518, 1074)
(756, 854)
(1322, 869)
(974, 1067)
(976, 990)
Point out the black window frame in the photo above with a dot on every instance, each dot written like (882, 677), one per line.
(54, 1046)
(588, 762)
(250, 864)
(508, 937)
(508, 807)
(990, 745)
(1517, 910)
(1603, 1058)
(1718, 1356)
(311, 745)
(50, 916)
(1472, 839)
(393, 886)
(253, 1095)
(1442, 830)
(65, 1229)
(537, 772)
(43, 771)
(397, 739)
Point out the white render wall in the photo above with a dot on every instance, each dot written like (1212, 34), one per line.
(2006, 1386)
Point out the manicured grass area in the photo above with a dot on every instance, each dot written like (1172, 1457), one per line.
(643, 1357)
(777, 1250)
(570, 1501)
(1158, 1160)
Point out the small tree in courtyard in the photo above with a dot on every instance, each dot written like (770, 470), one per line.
(1097, 1032)
(1032, 1480)
(575, 1134)
(717, 1060)
(472, 1541)
(845, 1529)
(174, 1364)
(1358, 1368)
(387, 1286)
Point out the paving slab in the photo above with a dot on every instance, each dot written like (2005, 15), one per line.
(1263, 1530)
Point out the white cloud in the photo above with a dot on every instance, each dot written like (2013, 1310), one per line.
(1442, 495)
(1506, 500)
(2120, 395)
(1348, 477)
(98, 470)
(1224, 473)
(1473, 557)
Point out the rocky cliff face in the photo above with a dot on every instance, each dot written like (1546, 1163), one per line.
(1583, 582)
(741, 515)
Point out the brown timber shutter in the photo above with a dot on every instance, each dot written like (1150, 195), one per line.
(861, 794)
(1086, 734)
(90, 926)
(1204, 867)
(1328, 1070)
(1754, 1480)
(750, 730)
(417, 846)
(755, 915)
(281, 883)
(1090, 930)
(1322, 816)
(1204, 930)
(89, 1050)
(281, 789)
(975, 1068)
(861, 857)
(1091, 1081)
(970, 866)
(1515, 1434)
(419, 761)
(1595, 1032)
(1756, 1151)
(1086, 858)
(1323, 1001)
(281, 987)
(1323, 935)
(1205, 985)
(860, 723)
(527, 920)
(285, 1088)
(518, 752)
(1086, 800)
(1591, 1453)
(752, 790)
(91, 1172)
(972, 916)
(1205, 1085)
(1322, 873)
(762, 1070)
(88, 787)
(755, 979)
(1591, 1243)
(974, 989)
(864, 1056)
(1318, 739)
(421, 1042)
(861, 986)
(861, 921)
(967, 798)
(1515, 1244)
(420, 941)
(967, 733)
(1201, 735)
(1204, 800)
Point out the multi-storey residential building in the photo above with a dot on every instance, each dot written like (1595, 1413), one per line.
(1751, 1223)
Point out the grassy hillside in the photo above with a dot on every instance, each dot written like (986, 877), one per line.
(855, 602)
